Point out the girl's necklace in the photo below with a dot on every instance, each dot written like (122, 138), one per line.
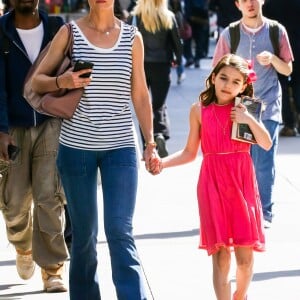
(219, 122)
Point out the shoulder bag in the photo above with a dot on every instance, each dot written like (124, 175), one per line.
(61, 103)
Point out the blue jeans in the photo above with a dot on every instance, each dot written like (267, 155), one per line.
(180, 69)
(264, 163)
(118, 168)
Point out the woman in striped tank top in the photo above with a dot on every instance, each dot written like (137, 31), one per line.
(100, 136)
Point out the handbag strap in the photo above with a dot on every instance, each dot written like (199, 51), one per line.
(69, 46)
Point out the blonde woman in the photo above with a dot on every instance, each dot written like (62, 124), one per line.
(159, 30)
(2, 7)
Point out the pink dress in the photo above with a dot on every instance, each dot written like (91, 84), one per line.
(229, 204)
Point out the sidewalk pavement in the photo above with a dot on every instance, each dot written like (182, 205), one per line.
(166, 226)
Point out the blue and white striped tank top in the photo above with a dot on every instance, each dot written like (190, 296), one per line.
(103, 119)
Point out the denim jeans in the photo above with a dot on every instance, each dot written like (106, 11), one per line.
(180, 69)
(264, 163)
(118, 168)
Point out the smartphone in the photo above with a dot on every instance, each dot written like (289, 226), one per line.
(81, 65)
(13, 151)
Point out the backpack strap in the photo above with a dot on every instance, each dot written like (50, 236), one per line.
(234, 32)
(274, 35)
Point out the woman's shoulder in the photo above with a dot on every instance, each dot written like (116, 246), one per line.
(130, 29)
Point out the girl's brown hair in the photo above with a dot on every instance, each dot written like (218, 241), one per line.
(208, 96)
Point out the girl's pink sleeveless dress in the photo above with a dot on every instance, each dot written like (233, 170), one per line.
(229, 204)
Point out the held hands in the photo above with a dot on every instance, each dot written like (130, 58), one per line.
(152, 160)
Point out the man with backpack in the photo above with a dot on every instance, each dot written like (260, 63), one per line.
(266, 45)
(290, 85)
(29, 175)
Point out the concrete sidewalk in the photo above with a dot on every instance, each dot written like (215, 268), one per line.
(166, 226)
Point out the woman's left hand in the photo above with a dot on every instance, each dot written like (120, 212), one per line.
(72, 80)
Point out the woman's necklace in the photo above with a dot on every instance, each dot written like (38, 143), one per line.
(219, 122)
(106, 32)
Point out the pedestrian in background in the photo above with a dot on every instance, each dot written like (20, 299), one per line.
(229, 206)
(255, 45)
(100, 136)
(158, 27)
(176, 7)
(196, 47)
(126, 7)
(226, 11)
(2, 8)
(32, 178)
(288, 15)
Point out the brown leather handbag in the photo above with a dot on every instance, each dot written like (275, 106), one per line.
(61, 103)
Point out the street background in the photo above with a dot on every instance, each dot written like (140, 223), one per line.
(166, 226)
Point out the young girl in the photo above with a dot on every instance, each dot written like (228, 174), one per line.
(229, 204)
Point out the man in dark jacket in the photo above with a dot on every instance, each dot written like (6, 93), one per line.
(36, 231)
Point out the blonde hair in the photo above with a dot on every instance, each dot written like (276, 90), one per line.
(2, 6)
(155, 14)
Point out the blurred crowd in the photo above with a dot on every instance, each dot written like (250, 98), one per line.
(200, 20)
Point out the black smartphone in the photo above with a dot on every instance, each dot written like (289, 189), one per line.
(13, 151)
(81, 65)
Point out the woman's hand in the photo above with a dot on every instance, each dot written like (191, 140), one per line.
(72, 80)
(152, 159)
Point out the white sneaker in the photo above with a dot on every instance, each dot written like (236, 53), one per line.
(25, 265)
(181, 78)
(267, 224)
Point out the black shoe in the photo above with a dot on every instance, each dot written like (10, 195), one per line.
(189, 63)
(161, 146)
(197, 64)
(286, 131)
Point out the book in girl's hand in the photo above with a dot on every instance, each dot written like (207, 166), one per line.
(242, 132)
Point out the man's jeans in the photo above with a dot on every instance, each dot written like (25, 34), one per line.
(264, 163)
(118, 168)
